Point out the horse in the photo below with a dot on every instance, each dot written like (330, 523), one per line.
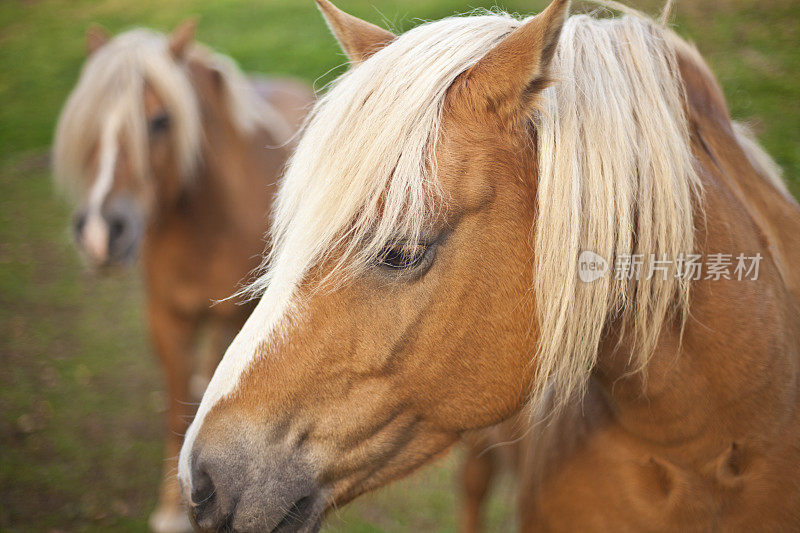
(459, 238)
(171, 152)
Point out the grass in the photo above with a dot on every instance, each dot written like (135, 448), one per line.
(80, 394)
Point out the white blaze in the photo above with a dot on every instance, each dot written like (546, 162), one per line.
(271, 313)
(94, 237)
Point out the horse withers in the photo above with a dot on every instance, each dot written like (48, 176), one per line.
(488, 215)
(173, 154)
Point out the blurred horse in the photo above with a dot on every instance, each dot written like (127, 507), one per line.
(456, 240)
(173, 152)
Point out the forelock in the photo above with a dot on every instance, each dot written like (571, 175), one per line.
(113, 80)
(363, 174)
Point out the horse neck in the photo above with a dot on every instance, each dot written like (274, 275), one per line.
(734, 373)
(238, 170)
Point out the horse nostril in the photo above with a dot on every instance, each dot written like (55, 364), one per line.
(79, 224)
(116, 227)
(203, 490)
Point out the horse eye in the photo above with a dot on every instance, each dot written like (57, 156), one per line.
(158, 123)
(402, 256)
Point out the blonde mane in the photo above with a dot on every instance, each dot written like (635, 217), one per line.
(762, 162)
(615, 177)
(112, 83)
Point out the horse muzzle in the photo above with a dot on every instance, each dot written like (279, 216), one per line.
(111, 235)
(252, 487)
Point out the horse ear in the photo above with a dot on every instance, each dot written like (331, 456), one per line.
(96, 37)
(181, 37)
(358, 38)
(518, 67)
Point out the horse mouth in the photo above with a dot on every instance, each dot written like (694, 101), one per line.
(304, 516)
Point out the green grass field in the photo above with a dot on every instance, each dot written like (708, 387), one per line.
(80, 393)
